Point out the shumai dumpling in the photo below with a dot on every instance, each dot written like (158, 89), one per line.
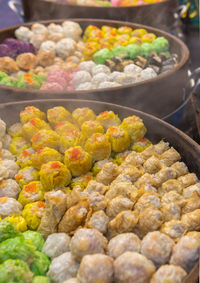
(54, 174)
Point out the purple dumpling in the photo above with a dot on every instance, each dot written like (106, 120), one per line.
(26, 47)
(5, 51)
(14, 44)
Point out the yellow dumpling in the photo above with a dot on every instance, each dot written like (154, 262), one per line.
(32, 192)
(119, 139)
(18, 144)
(89, 128)
(24, 158)
(44, 155)
(33, 213)
(141, 145)
(27, 175)
(108, 119)
(64, 126)
(82, 180)
(58, 114)
(18, 221)
(54, 174)
(15, 130)
(78, 161)
(31, 112)
(69, 139)
(98, 146)
(135, 127)
(31, 128)
(81, 115)
(45, 138)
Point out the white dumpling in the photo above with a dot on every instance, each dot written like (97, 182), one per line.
(81, 77)
(9, 206)
(9, 188)
(65, 47)
(56, 244)
(62, 268)
(11, 166)
(87, 66)
(23, 34)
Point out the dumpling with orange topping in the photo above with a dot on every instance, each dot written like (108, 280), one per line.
(69, 139)
(54, 174)
(33, 213)
(82, 180)
(135, 127)
(44, 155)
(141, 145)
(24, 159)
(98, 146)
(58, 114)
(26, 175)
(119, 138)
(32, 192)
(64, 126)
(89, 128)
(82, 115)
(17, 145)
(45, 138)
(78, 160)
(108, 119)
(31, 128)
(31, 112)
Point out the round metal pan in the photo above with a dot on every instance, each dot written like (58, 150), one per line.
(159, 96)
(160, 14)
(156, 130)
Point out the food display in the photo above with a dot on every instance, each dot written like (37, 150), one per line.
(106, 3)
(86, 197)
(66, 58)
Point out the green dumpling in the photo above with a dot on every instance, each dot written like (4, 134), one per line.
(146, 49)
(34, 238)
(133, 50)
(102, 55)
(41, 263)
(15, 271)
(120, 51)
(17, 248)
(7, 230)
(41, 279)
(160, 44)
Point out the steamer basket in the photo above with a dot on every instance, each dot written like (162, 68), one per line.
(156, 130)
(159, 96)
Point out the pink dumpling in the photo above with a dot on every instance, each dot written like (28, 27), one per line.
(141, 2)
(115, 2)
(52, 86)
(60, 80)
